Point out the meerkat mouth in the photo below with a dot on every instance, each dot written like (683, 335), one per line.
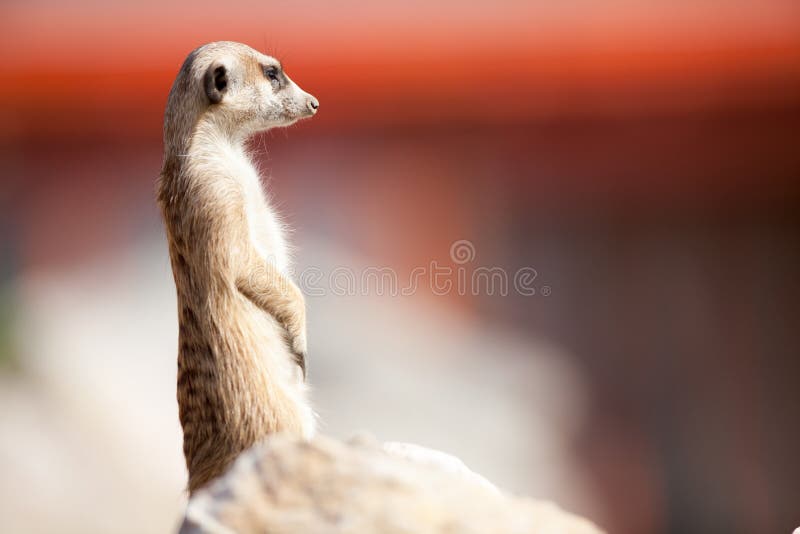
(290, 118)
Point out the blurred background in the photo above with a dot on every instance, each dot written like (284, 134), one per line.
(642, 157)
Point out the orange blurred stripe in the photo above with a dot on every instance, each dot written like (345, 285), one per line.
(385, 65)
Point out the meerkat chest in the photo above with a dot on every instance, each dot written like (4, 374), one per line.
(265, 228)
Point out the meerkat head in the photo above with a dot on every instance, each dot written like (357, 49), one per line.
(240, 90)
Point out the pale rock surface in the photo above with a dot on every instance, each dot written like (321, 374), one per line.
(324, 486)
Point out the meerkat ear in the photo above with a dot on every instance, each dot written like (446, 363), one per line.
(216, 82)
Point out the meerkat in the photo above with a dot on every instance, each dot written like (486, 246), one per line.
(242, 338)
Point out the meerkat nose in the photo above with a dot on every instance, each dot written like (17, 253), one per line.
(313, 104)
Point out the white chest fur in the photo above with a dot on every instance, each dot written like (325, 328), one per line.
(265, 228)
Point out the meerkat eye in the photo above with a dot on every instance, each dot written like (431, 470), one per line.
(271, 73)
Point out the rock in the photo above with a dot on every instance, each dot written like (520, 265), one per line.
(324, 486)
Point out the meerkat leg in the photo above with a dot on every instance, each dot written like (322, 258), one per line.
(276, 294)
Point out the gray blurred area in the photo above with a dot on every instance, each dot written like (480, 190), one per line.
(93, 416)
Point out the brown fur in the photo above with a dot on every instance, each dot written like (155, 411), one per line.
(241, 319)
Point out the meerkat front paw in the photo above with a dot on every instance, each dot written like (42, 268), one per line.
(277, 295)
(294, 321)
(298, 346)
(299, 343)
(291, 315)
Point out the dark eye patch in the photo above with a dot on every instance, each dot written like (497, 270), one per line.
(272, 73)
(275, 75)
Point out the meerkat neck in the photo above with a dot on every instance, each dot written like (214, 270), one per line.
(202, 147)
